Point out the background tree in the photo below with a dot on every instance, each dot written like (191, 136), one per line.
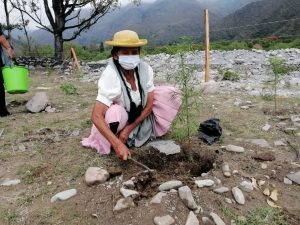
(66, 15)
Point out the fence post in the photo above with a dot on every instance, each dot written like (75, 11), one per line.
(74, 57)
(206, 24)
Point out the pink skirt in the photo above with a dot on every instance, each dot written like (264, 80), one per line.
(167, 101)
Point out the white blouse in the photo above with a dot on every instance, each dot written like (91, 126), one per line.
(110, 91)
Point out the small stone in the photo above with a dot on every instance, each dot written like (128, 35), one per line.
(21, 147)
(290, 130)
(157, 198)
(186, 196)
(217, 219)
(264, 166)
(173, 191)
(114, 171)
(9, 182)
(260, 142)
(64, 195)
(129, 184)
(238, 195)
(287, 180)
(226, 170)
(192, 219)
(221, 190)
(206, 220)
(295, 177)
(128, 193)
(234, 148)
(279, 143)
(228, 200)
(96, 175)
(265, 156)
(38, 102)
(234, 172)
(123, 203)
(198, 210)
(173, 184)
(49, 109)
(266, 127)
(163, 220)
(204, 183)
(247, 185)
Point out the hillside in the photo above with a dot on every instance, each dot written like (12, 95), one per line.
(257, 13)
(162, 22)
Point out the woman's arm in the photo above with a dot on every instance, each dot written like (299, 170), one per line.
(146, 112)
(98, 116)
(5, 43)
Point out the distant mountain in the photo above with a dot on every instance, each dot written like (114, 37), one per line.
(263, 14)
(161, 22)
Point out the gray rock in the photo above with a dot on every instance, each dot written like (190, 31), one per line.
(233, 148)
(295, 177)
(247, 185)
(238, 195)
(128, 193)
(287, 180)
(186, 196)
(9, 182)
(228, 200)
(96, 175)
(226, 170)
(129, 184)
(204, 183)
(221, 190)
(64, 195)
(264, 166)
(217, 220)
(38, 103)
(166, 147)
(192, 219)
(49, 109)
(173, 184)
(279, 143)
(266, 127)
(206, 220)
(163, 220)
(123, 203)
(158, 198)
(260, 142)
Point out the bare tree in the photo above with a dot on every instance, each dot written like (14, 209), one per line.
(66, 15)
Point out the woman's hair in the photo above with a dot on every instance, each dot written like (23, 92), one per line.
(115, 50)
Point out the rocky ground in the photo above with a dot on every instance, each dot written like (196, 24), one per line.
(250, 176)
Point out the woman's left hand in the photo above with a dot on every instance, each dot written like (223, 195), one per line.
(124, 134)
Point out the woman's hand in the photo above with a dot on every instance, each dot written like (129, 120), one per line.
(124, 134)
(10, 52)
(122, 151)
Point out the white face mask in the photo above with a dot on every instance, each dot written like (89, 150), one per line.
(129, 62)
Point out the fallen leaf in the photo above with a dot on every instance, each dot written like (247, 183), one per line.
(267, 191)
(274, 195)
(254, 183)
(261, 183)
(272, 204)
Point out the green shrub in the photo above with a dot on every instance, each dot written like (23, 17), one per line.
(230, 75)
(69, 89)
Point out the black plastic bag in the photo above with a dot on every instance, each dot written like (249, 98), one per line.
(210, 130)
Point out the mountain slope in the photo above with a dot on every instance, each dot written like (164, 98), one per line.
(265, 13)
(161, 22)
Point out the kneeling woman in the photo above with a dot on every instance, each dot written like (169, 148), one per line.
(129, 110)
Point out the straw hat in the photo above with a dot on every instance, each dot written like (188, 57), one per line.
(126, 38)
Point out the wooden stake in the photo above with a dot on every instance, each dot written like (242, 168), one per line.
(74, 57)
(206, 23)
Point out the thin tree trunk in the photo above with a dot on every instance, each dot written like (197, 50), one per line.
(58, 43)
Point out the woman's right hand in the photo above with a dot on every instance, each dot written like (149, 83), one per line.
(122, 151)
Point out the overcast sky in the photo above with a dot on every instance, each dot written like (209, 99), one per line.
(15, 17)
